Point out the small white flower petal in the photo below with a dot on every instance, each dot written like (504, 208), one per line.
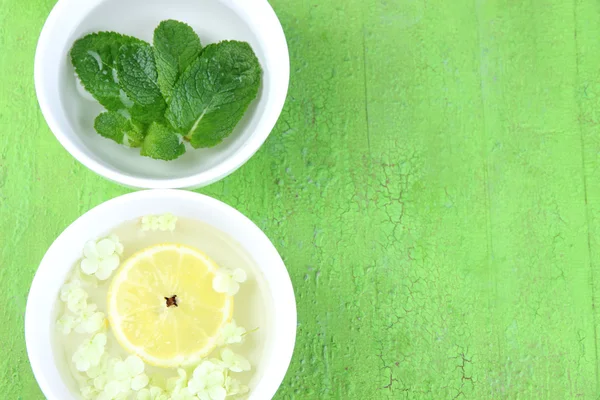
(234, 362)
(105, 248)
(125, 385)
(111, 262)
(234, 287)
(120, 370)
(112, 388)
(195, 386)
(145, 223)
(103, 273)
(118, 245)
(221, 283)
(99, 340)
(239, 275)
(119, 248)
(65, 324)
(100, 382)
(228, 356)
(82, 365)
(89, 392)
(96, 371)
(77, 300)
(91, 308)
(215, 378)
(217, 393)
(89, 265)
(135, 365)
(144, 394)
(95, 322)
(90, 250)
(139, 382)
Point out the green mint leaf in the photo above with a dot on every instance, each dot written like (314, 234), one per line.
(115, 126)
(94, 59)
(162, 143)
(138, 77)
(176, 45)
(214, 92)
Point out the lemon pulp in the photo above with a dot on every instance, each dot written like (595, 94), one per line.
(162, 307)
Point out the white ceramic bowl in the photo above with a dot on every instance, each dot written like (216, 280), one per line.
(66, 250)
(71, 116)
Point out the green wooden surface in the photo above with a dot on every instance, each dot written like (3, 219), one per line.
(433, 185)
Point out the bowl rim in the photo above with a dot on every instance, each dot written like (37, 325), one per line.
(38, 333)
(263, 10)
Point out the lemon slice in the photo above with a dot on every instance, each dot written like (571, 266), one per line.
(162, 307)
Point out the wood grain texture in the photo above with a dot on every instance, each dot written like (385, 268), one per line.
(432, 184)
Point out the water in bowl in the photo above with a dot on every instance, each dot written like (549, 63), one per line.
(252, 306)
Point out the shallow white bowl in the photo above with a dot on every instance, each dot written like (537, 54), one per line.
(71, 116)
(66, 250)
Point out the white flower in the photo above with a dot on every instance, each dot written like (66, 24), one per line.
(152, 393)
(73, 294)
(120, 378)
(164, 222)
(228, 281)
(89, 392)
(118, 245)
(234, 387)
(98, 370)
(101, 258)
(175, 384)
(66, 323)
(90, 320)
(182, 394)
(130, 373)
(114, 390)
(89, 353)
(231, 333)
(234, 362)
(208, 381)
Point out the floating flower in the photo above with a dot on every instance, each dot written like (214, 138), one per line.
(114, 390)
(182, 394)
(89, 392)
(235, 387)
(234, 362)
(74, 296)
(89, 353)
(228, 281)
(66, 324)
(152, 393)
(101, 257)
(231, 333)
(118, 378)
(208, 381)
(175, 384)
(164, 222)
(90, 320)
(131, 373)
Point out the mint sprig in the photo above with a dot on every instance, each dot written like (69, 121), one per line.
(156, 96)
(215, 91)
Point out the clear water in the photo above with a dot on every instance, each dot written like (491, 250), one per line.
(252, 307)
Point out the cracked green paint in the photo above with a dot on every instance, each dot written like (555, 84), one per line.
(432, 184)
